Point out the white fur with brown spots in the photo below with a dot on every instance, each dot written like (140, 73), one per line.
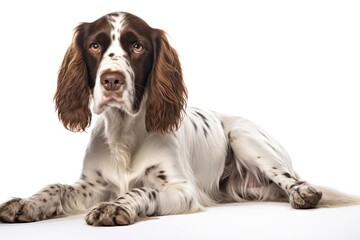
(147, 156)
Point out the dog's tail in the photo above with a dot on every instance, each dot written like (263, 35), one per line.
(332, 198)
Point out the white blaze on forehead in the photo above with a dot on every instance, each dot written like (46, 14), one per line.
(115, 49)
(115, 59)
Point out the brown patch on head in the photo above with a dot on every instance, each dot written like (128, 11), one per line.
(137, 31)
(157, 72)
(77, 73)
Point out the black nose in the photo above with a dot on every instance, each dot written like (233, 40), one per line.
(112, 81)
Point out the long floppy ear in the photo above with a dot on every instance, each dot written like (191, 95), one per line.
(166, 90)
(73, 93)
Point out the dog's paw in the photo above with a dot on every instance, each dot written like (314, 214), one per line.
(18, 210)
(304, 196)
(108, 214)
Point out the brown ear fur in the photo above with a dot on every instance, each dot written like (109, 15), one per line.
(73, 93)
(167, 93)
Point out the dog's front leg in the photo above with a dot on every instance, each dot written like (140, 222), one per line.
(165, 189)
(54, 200)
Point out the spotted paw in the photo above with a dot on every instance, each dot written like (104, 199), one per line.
(18, 210)
(304, 196)
(108, 214)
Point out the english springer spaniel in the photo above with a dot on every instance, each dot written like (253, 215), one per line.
(148, 154)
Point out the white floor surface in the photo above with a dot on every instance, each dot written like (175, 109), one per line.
(231, 221)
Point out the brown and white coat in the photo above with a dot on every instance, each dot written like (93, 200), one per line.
(149, 154)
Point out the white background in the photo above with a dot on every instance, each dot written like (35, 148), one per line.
(290, 66)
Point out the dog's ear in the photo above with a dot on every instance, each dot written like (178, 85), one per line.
(166, 90)
(72, 96)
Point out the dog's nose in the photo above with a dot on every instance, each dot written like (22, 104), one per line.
(112, 81)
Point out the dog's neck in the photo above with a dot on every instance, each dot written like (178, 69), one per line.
(123, 133)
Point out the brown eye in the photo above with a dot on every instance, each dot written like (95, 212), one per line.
(95, 47)
(137, 48)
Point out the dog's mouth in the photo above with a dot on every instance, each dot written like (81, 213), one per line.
(108, 100)
(112, 97)
(112, 100)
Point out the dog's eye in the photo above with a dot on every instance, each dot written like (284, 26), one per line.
(95, 47)
(137, 48)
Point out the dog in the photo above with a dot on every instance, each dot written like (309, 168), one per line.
(150, 155)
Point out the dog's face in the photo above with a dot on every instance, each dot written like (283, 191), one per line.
(120, 62)
(119, 53)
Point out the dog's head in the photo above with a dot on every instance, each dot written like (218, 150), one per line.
(120, 62)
